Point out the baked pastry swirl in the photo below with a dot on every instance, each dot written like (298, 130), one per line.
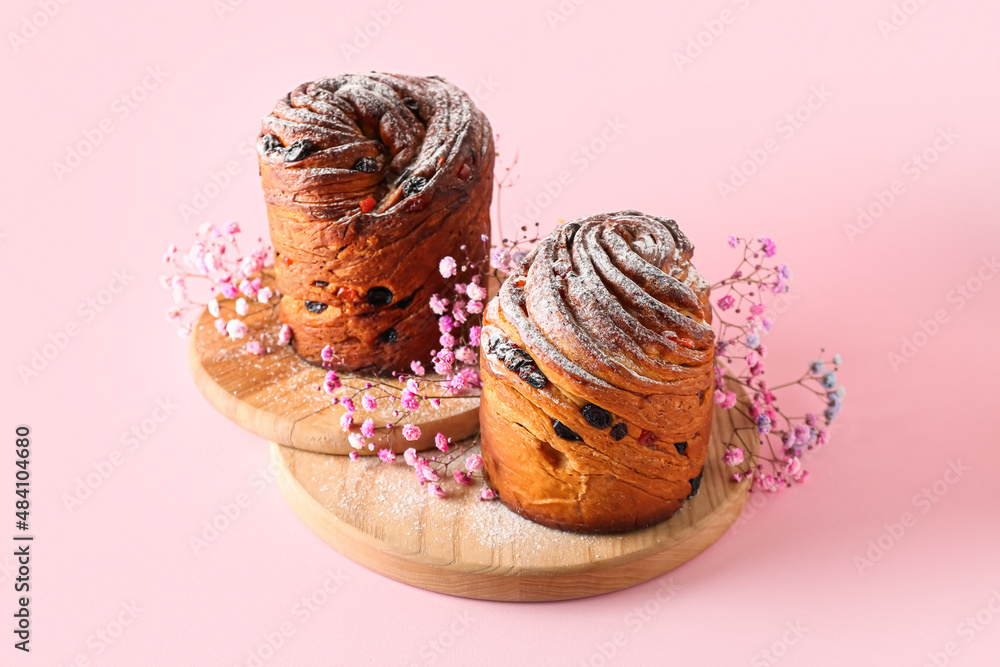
(597, 365)
(369, 180)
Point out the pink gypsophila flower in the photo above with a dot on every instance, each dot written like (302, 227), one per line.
(409, 400)
(438, 305)
(368, 402)
(346, 421)
(447, 267)
(434, 490)
(733, 457)
(387, 455)
(441, 442)
(466, 355)
(255, 348)
(474, 335)
(462, 478)
(417, 368)
(474, 462)
(411, 432)
(487, 494)
(368, 428)
(475, 307)
(410, 456)
(236, 329)
(725, 399)
(726, 302)
(475, 292)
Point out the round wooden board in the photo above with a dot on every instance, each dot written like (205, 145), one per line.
(278, 397)
(377, 515)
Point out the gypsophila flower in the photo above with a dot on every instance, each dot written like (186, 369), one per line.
(236, 329)
(837, 360)
(438, 305)
(487, 494)
(458, 312)
(347, 403)
(356, 441)
(447, 267)
(474, 462)
(474, 335)
(817, 367)
(409, 400)
(726, 302)
(265, 294)
(758, 309)
(435, 403)
(446, 323)
(285, 335)
(386, 455)
(241, 307)
(232, 227)
(220, 325)
(213, 307)
(425, 473)
(732, 240)
(435, 491)
(475, 307)
(447, 340)
(368, 402)
(417, 368)
(326, 354)
(368, 428)
(346, 421)
(331, 383)
(255, 348)
(725, 399)
(462, 478)
(733, 457)
(441, 442)
(410, 456)
(466, 355)
(353, 456)
(829, 380)
(767, 245)
(793, 466)
(475, 292)
(411, 432)
(763, 424)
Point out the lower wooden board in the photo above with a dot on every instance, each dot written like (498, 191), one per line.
(278, 396)
(377, 515)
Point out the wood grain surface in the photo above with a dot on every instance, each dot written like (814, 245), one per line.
(376, 514)
(279, 397)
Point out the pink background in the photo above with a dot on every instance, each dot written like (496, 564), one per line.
(549, 87)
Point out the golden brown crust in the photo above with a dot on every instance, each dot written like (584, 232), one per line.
(369, 180)
(597, 371)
